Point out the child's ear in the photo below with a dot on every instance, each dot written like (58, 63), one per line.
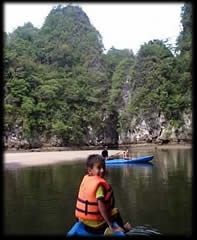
(89, 170)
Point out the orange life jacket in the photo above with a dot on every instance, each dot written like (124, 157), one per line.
(87, 206)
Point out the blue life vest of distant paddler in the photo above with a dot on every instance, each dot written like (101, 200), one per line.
(87, 206)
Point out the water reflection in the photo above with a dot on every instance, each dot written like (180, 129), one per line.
(41, 200)
(177, 160)
(126, 169)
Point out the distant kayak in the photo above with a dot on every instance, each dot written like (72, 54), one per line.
(131, 165)
(79, 230)
(143, 159)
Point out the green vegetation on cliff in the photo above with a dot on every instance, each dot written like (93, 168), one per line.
(58, 83)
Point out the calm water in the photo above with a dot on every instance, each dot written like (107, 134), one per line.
(41, 200)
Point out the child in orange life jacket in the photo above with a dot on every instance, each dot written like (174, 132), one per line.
(95, 199)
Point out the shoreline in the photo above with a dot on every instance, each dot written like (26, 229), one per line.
(30, 159)
(18, 159)
(99, 148)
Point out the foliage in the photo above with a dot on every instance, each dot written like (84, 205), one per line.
(58, 82)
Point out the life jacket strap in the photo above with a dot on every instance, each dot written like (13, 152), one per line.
(80, 210)
(87, 202)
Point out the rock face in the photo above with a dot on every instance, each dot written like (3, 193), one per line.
(145, 130)
(154, 127)
(159, 131)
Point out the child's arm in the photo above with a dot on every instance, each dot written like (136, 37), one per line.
(106, 216)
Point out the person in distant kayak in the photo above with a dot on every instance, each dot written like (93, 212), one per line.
(95, 202)
(105, 152)
(126, 154)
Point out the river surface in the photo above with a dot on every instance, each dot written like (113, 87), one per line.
(41, 200)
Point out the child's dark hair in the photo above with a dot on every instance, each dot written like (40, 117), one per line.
(93, 158)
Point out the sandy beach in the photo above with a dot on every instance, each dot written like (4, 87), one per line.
(27, 159)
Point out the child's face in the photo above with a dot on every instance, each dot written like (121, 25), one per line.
(97, 170)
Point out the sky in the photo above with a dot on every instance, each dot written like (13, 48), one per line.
(121, 25)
